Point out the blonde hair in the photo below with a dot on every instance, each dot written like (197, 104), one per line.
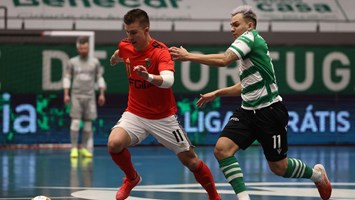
(247, 12)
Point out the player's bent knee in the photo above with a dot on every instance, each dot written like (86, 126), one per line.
(188, 159)
(220, 153)
(112, 149)
(114, 146)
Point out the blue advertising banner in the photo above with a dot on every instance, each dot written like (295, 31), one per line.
(42, 119)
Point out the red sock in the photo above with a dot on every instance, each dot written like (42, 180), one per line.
(204, 176)
(123, 160)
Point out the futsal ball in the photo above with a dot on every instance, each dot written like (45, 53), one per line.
(41, 198)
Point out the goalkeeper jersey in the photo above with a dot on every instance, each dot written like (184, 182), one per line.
(84, 73)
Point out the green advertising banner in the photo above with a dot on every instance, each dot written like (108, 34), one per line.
(35, 69)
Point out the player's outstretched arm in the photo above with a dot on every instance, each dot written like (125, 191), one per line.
(219, 60)
(205, 98)
(234, 90)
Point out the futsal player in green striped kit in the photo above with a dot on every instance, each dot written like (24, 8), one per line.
(262, 115)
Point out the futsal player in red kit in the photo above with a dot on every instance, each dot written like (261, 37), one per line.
(151, 106)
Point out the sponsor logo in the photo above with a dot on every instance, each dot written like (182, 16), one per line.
(140, 84)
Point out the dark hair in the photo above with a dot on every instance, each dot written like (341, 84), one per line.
(136, 15)
(81, 40)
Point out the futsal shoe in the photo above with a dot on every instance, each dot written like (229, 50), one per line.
(127, 186)
(74, 153)
(324, 186)
(85, 153)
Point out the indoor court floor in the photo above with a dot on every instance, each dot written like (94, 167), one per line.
(28, 172)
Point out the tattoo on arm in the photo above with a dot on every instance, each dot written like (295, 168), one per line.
(230, 55)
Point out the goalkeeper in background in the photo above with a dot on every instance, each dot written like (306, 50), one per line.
(81, 74)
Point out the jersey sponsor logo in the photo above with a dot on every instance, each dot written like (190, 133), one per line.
(140, 84)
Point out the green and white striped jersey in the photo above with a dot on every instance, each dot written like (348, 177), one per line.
(256, 71)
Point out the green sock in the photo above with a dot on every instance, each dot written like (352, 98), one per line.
(231, 170)
(297, 169)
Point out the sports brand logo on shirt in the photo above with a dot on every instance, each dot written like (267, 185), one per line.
(147, 62)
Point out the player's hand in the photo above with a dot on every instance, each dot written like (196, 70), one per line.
(141, 71)
(205, 98)
(101, 101)
(178, 53)
(66, 99)
(114, 58)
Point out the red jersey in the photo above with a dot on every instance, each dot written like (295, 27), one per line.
(145, 99)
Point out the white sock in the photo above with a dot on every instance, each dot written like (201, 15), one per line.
(243, 195)
(316, 176)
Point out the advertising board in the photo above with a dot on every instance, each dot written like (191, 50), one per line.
(40, 119)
